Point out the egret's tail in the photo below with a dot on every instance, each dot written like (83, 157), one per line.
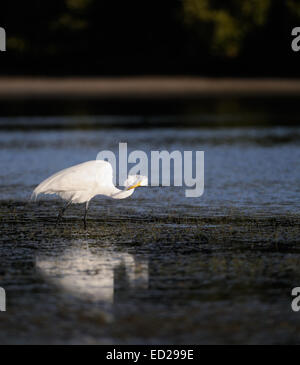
(34, 194)
(40, 189)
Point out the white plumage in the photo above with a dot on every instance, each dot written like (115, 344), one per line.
(80, 183)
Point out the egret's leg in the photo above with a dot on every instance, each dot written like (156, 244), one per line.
(85, 214)
(61, 213)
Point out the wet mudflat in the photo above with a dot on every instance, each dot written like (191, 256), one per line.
(146, 278)
(157, 267)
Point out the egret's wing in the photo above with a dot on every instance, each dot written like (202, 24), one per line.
(86, 176)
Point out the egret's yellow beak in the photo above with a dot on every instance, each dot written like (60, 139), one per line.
(134, 186)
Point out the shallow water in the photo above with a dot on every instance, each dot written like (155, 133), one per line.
(244, 167)
(157, 267)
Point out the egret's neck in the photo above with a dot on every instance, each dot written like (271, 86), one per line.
(121, 194)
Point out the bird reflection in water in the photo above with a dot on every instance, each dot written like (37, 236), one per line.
(94, 274)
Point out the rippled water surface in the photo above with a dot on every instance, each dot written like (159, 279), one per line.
(244, 167)
(157, 267)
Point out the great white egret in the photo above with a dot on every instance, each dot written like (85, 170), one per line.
(80, 183)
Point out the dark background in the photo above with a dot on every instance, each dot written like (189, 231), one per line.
(191, 37)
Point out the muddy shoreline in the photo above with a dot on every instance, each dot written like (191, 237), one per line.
(146, 87)
(217, 279)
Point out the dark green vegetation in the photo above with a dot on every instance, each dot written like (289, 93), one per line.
(250, 37)
(198, 277)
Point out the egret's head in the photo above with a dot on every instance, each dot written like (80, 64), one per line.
(134, 181)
